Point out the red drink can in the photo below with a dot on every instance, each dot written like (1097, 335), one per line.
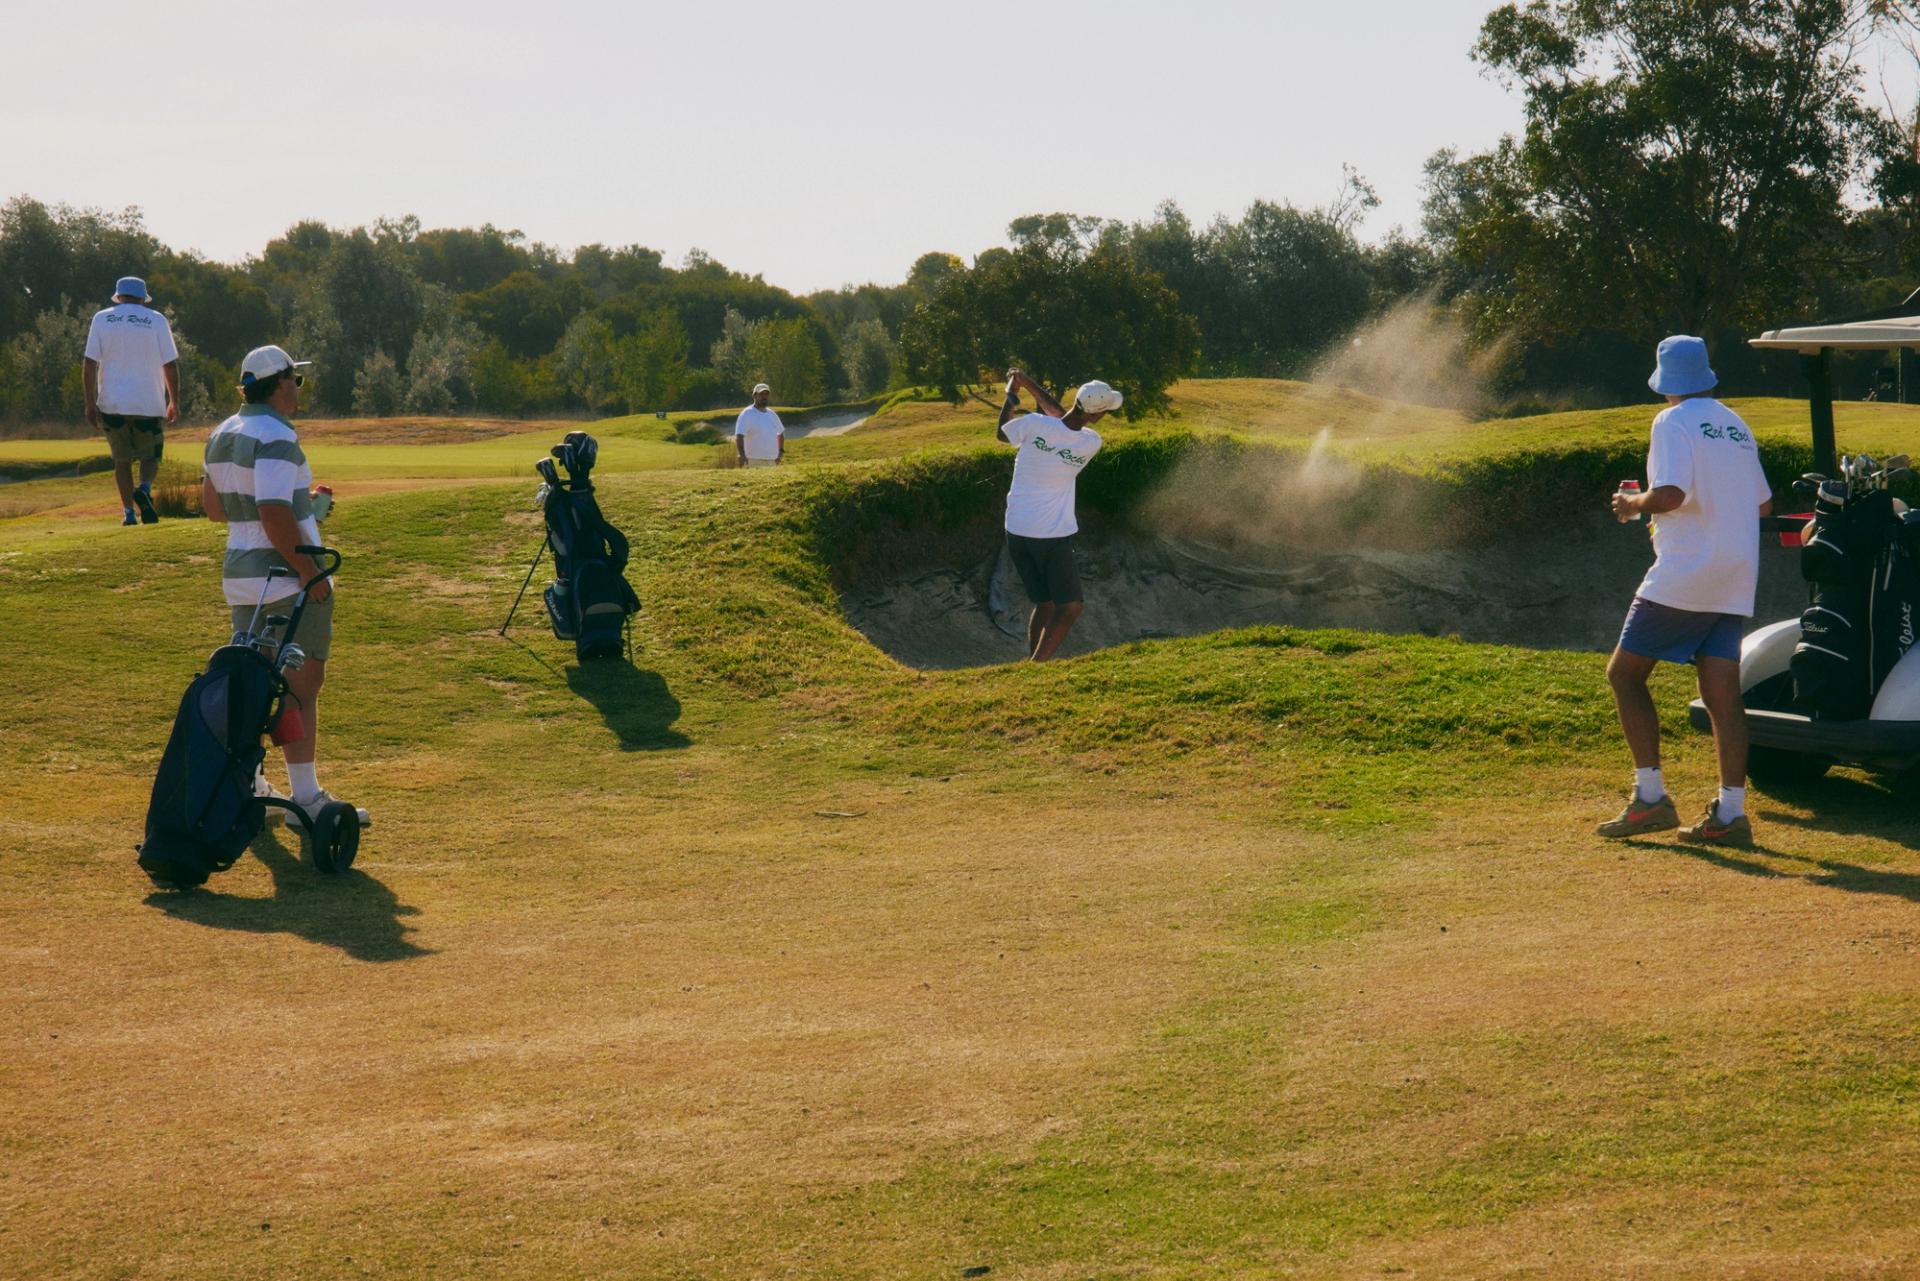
(1629, 486)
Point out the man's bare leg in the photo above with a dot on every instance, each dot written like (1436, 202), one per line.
(1037, 626)
(1064, 617)
(1720, 691)
(149, 468)
(1627, 674)
(305, 684)
(123, 477)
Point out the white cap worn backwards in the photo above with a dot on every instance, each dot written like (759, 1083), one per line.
(1097, 398)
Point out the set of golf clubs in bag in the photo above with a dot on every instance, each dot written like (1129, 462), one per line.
(1861, 560)
(209, 801)
(589, 601)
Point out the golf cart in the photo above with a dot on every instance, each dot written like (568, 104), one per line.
(1840, 683)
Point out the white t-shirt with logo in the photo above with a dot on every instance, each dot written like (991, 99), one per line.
(760, 431)
(130, 343)
(1051, 454)
(1707, 550)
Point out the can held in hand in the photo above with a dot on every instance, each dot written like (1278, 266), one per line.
(322, 502)
(1629, 486)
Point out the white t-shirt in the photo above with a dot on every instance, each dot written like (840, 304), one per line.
(760, 431)
(130, 343)
(1707, 550)
(1040, 503)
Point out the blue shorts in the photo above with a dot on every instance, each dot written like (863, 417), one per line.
(1672, 635)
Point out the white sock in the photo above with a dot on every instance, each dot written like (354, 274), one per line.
(1733, 803)
(1647, 785)
(304, 781)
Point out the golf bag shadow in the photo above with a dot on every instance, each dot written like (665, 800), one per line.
(590, 600)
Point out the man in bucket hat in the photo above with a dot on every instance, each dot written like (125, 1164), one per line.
(1707, 491)
(130, 382)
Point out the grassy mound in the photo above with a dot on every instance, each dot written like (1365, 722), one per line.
(1262, 952)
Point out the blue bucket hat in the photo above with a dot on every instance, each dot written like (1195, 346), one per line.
(131, 287)
(1681, 367)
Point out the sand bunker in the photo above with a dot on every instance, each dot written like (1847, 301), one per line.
(1564, 591)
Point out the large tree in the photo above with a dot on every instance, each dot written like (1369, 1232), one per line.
(1062, 311)
(1684, 165)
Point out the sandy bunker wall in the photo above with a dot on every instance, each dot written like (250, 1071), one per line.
(1191, 536)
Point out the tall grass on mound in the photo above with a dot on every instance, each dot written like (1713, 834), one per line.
(176, 489)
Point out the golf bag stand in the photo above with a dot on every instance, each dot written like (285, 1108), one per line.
(204, 810)
(590, 601)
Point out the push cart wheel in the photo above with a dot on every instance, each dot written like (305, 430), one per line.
(335, 837)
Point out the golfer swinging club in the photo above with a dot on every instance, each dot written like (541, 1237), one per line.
(1053, 446)
(1705, 484)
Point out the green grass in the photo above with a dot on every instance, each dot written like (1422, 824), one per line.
(1270, 952)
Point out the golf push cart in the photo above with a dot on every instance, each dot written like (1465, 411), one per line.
(209, 799)
(1840, 683)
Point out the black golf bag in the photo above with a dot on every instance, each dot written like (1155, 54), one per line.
(589, 601)
(203, 813)
(1860, 559)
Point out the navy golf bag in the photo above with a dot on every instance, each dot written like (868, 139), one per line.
(590, 600)
(203, 813)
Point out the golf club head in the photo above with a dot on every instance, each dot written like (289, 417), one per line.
(1807, 486)
(292, 658)
(1899, 462)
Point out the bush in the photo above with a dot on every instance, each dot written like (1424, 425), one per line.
(377, 387)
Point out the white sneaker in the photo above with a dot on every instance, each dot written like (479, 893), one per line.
(324, 798)
(262, 788)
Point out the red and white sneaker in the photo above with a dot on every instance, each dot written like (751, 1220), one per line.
(1641, 817)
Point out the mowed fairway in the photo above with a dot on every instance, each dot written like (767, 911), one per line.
(1266, 953)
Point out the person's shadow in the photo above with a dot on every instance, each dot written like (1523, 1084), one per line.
(635, 703)
(1877, 805)
(349, 910)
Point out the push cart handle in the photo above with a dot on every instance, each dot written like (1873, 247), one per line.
(325, 557)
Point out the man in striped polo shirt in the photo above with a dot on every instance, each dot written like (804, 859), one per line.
(258, 484)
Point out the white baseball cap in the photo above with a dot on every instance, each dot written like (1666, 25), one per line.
(760, 387)
(1097, 398)
(265, 362)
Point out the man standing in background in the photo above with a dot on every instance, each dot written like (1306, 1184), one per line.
(131, 381)
(759, 437)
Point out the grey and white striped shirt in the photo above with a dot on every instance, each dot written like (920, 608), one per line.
(254, 459)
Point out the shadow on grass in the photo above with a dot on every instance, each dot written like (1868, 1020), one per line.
(1850, 877)
(635, 703)
(351, 911)
(1885, 807)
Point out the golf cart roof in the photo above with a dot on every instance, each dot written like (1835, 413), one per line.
(1881, 335)
(1890, 328)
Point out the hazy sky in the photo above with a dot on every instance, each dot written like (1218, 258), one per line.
(816, 144)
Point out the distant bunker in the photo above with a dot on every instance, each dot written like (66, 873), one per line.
(1191, 556)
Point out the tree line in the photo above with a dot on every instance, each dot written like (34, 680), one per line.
(1714, 167)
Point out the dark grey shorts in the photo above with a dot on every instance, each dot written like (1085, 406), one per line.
(1046, 568)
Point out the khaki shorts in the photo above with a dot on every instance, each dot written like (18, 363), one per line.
(763, 462)
(316, 623)
(133, 440)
